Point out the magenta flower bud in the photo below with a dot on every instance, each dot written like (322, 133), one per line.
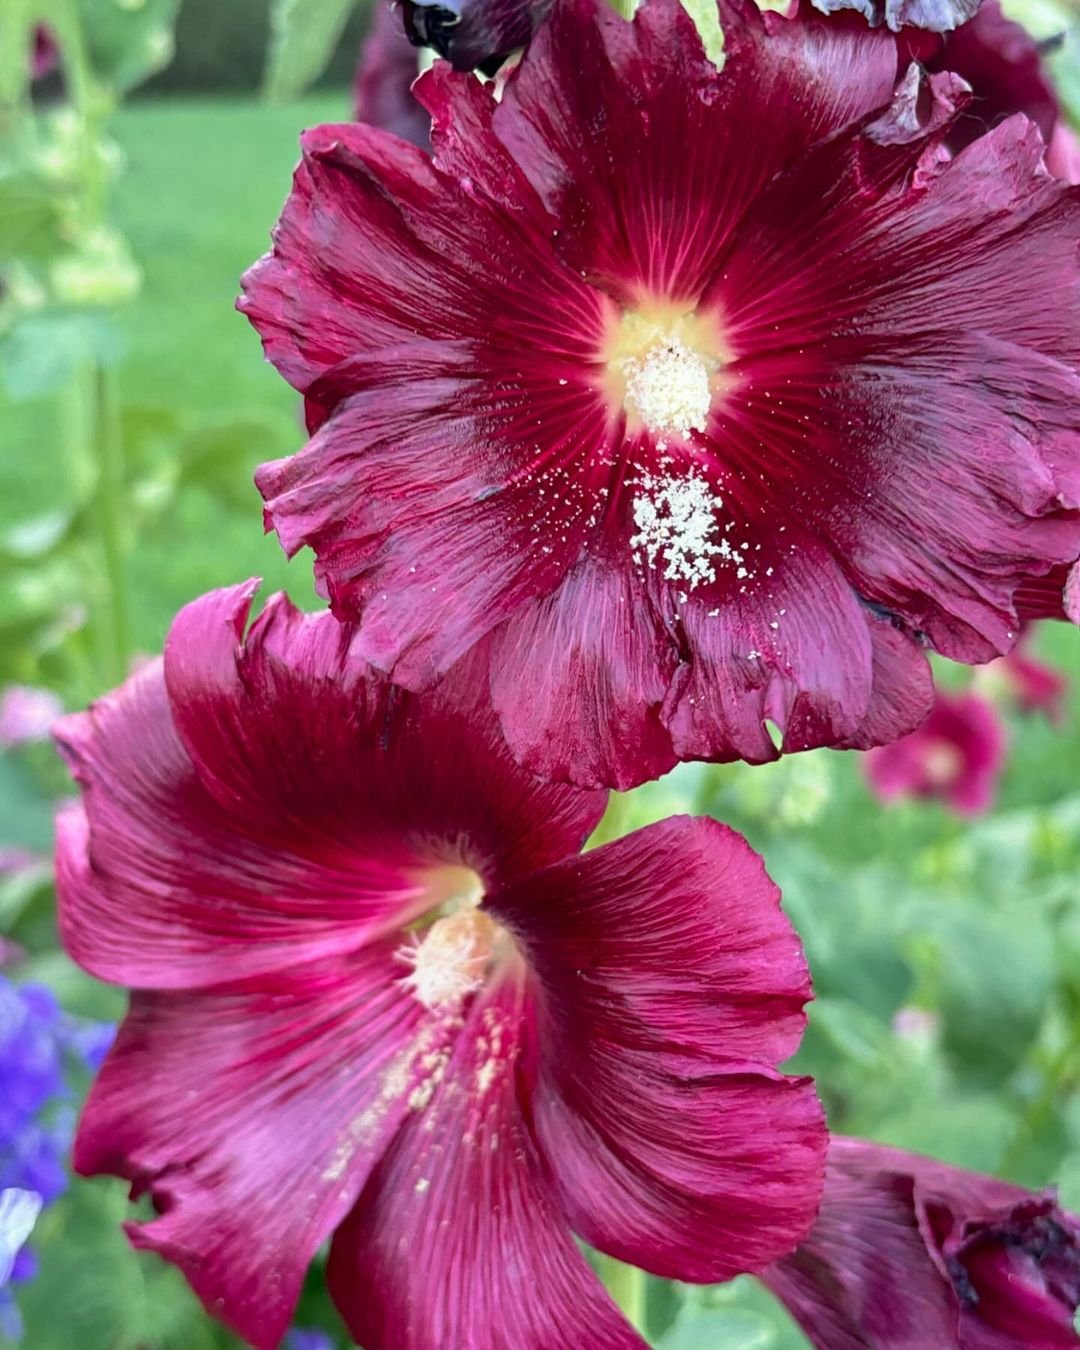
(910, 1253)
(957, 754)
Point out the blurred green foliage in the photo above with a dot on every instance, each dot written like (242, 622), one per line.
(134, 405)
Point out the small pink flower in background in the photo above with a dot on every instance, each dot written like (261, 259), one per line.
(379, 997)
(1031, 685)
(27, 714)
(912, 1254)
(385, 75)
(46, 54)
(956, 755)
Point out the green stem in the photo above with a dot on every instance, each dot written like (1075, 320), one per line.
(110, 512)
(628, 1287)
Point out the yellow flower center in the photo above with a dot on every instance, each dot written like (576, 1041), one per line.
(663, 367)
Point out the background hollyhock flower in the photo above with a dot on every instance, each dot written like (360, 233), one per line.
(384, 79)
(908, 1252)
(473, 34)
(27, 714)
(376, 991)
(39, 1045)
(1030, 684)
(698, 427)
(957, 754)
(46, 54)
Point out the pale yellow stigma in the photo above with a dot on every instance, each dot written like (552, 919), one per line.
(451, 959)
(668, 388)
(664, 368)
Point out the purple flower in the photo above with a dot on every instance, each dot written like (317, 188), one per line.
(306, 1339)
(19, 1210)
(27, 714)
(912, 1254)
(39, 1044)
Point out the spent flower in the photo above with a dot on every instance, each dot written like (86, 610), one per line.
(909, 1253)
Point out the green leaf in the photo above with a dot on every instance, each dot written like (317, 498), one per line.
(30, 219)
(43, 351)
(706, 19)
(304, 34)
(698, 1326)
(128, 40)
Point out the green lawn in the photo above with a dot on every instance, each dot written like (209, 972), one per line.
(205, 182)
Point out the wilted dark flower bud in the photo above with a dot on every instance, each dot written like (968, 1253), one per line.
(908, 1252)
(473, 34)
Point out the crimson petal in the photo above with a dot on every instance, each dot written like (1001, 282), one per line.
(458, 1238)
(252, 1114)
(670, 985)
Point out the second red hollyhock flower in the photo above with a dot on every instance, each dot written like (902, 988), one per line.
(379, 996)
(957, 755)
(706, 398)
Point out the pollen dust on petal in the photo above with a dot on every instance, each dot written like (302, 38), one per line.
(679, 529)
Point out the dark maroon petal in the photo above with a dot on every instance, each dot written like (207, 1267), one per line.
(252, 1115)
(939, 16)
(929, 527)
(458, 1238)
(268, 800)
(791, 645)
(636, 217)
(863, 1279)
(433, 549)
(384, 78)
(902, 687)
(594, 659)
(1043, 597)
(670, 986)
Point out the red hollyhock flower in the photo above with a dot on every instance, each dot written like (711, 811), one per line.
(957, 754)
(377, 994)
(911, 1254)
(384, 80)
(707, 399)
